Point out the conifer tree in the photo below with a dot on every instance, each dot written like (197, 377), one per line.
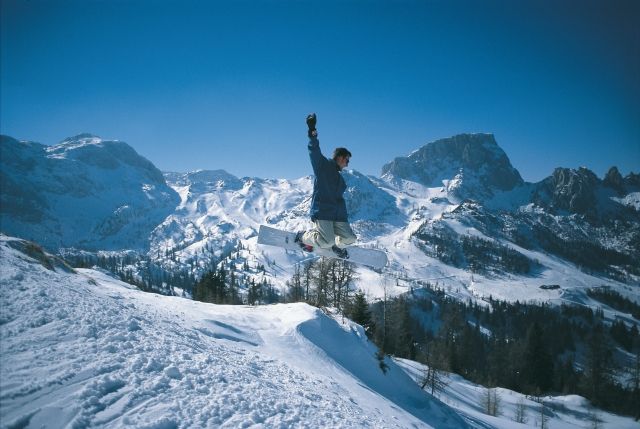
(254, 293)
(359, 312)
(599, 366)
(537, 367)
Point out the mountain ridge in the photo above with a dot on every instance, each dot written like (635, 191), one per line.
(572, 215)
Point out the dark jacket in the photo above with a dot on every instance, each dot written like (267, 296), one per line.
(327, 202)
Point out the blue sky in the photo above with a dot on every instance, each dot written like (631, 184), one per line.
(207, 85)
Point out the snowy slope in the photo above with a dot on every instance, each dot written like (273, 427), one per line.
(85, 192)
(84, 350)
(561, 412)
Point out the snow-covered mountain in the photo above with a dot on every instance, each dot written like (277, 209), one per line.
(468, 165)
(454, 211)
(81, 349)
(85, 192)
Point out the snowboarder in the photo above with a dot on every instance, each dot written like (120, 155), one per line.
(328, 209)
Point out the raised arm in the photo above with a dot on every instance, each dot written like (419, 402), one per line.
(317, 159)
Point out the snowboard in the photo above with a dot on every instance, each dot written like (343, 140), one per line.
(285, 239)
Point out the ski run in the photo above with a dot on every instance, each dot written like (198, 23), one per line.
(82, 349)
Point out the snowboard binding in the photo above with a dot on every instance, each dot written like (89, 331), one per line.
(298, 240)
(341, 253)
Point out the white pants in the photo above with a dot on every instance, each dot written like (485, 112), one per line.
(327, 233)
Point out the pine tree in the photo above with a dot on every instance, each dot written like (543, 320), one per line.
(254, 293)
(599, 365)
(404, 344)
(537, 368)
(359, 312)
(233, 298)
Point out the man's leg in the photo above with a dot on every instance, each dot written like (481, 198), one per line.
(344, 234)
(320, 236)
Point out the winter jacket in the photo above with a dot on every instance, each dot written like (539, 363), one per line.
(327, 202)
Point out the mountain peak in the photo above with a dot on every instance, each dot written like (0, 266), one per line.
(569, 189)
(476, 161)
(82, 138)
(613, 179)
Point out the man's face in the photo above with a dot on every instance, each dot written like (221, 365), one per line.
(343, 162)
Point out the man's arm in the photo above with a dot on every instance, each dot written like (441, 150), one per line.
(317, 159)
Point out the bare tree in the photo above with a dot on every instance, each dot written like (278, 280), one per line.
(491, 402)
(342, 276)
(521, 412)
(296, 289)
(543, 419)
(433, 378)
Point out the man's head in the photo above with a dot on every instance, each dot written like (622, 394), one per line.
(341, 156)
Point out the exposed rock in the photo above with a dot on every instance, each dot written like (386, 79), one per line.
(569, 189)
(475, 164)
(613, 179)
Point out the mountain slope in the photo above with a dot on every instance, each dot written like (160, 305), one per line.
(85, 192)
(86, 350)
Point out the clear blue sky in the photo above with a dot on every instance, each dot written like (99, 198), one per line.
(206, 85)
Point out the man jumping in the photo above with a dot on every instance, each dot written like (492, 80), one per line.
(328, 209)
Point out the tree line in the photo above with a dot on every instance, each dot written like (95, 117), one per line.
(137, 270)
(534, 349)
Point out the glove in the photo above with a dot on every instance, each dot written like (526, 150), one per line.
(311, 123)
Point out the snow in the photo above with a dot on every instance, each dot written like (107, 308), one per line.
(632, 200)
(563, 412)
(85, 350)
(205, 214)
(167, 357)
(85, 192)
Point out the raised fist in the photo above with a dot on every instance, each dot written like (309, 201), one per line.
(311, 121)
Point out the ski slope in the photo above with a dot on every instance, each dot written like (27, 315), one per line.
(85, 350)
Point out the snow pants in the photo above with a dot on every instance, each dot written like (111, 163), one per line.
(326, 233)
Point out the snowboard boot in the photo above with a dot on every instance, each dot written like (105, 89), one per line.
(341, 253)
(303, 246)
(311, 123)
